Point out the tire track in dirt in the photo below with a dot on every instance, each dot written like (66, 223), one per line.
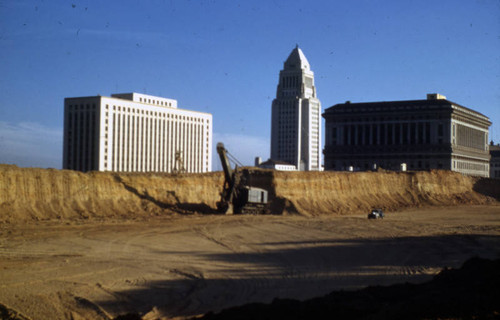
(191, 265)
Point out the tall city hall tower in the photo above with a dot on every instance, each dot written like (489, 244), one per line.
(295, 120)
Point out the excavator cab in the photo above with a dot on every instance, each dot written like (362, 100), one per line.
(237, 196)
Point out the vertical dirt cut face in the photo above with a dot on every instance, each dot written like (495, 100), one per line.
(315, 193)
(29, 194)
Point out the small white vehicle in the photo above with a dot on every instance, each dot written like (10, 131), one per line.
(376, 214)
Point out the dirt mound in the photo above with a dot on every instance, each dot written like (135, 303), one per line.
(471, 292)
(30, 194)
(347, 192)
(48, 194)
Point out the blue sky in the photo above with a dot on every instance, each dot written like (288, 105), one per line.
(224, 57)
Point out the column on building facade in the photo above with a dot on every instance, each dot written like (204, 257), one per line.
(168, 126)
(76, 139)
(114, 149)
(130, 138)
(83, 161)
(148, 141)
(76, 133)
(119, 139)
(140, 141)
(91, 137)
(408, 132)
(83, 142)
(421, 131)
(349, 134)
(370, 134)
(161, 142)
(152, 160)
(379, 133)
(417, 133)
(123, 145)
(384, 137)
(124, 141)
(355, 134)
(152, 142)
(135, 144)
(424, 134)
(363, 135)
(393, 132)
(401, 133)
(412, 132)
(386, 133)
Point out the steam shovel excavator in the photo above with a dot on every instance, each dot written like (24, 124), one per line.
(236, 195)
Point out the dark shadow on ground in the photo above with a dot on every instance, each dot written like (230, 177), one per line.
(471, 292)
(300, 270)
(196, 208)
(488, 187)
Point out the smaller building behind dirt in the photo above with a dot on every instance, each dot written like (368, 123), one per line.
(495, 161)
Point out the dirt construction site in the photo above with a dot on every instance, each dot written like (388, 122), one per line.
(152, 246)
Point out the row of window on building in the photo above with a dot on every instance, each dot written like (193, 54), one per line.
(381, 134)
(168, 115)
(290, 82)
(467, 165)
(143, 144)
(157, 102)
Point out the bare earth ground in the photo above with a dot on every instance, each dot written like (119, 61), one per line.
(188, 265)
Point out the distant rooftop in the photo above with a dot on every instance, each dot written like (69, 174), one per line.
(495, 148)
(434, 99)
(271, 162)
(146, 99)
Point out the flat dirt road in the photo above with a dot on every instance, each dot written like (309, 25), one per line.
(176, 267)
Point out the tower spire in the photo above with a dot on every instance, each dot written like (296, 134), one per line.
(296, 60)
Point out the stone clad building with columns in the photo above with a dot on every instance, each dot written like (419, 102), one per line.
(434, 133)
(135, 132)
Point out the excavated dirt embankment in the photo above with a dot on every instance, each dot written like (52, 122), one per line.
(347, 192)
(28, 194)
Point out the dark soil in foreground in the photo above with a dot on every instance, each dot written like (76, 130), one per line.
(471, 292)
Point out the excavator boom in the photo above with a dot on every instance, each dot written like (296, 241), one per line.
(226, 166)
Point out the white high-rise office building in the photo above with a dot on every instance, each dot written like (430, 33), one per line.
(135, 132)
(295, 121)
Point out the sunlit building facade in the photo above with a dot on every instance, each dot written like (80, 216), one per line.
(135, 132)
(296, 116)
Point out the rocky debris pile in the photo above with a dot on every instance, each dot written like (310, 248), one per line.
(471, 292)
